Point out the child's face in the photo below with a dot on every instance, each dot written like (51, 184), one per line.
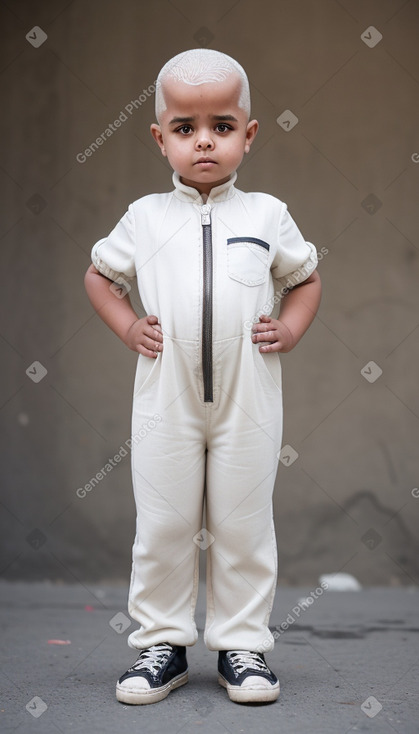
(203, 131)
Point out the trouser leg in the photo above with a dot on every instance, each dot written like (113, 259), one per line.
(165, 556)
(168, 469)
(242, 568)
(242, 463)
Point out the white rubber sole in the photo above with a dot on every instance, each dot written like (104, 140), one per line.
(136, 697)
(250, 695)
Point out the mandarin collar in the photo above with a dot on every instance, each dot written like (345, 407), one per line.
(218, 193)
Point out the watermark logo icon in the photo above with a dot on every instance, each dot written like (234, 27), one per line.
(371, 707)
(36, 707)
(288, 455)
(371, 371)
(120, 622)
(371, 204)
(203, 538)
(36, 204)
(203, 36)
(287, 120)
(36, 36)
(371, 36)
(36, 371)
(36, 538)
(120, 287)
(371, 539)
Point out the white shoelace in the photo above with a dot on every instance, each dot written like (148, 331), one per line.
(243, 659)
(153, 658)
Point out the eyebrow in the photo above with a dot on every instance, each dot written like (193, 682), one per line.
(176, 120)
(181, 119)
(229, 118)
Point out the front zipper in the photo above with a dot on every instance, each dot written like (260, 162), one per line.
(207, 303)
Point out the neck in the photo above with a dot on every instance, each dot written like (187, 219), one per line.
(204, 189)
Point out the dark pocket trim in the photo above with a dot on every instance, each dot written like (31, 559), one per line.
(254, 240)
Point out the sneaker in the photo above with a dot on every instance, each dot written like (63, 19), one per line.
(158, 670)
(247, 677)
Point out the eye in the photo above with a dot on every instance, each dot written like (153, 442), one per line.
(184, 129)
(222, 127)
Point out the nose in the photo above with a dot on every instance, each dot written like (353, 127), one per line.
(204, 141)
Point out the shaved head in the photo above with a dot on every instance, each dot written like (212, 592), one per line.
(201, 66)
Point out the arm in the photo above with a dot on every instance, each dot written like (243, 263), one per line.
(298, 309)
(141, 335)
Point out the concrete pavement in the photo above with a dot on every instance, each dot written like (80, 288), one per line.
(347, 661)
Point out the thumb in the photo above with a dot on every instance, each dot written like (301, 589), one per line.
(264, 319)
(152, 320)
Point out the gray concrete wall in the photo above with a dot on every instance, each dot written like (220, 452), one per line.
(349, 171)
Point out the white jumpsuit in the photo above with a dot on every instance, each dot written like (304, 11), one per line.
(214, 404)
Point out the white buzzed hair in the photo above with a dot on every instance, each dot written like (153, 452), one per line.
(202, 66)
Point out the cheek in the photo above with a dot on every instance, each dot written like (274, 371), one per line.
(236, 152)
(176, 156)
(170, 149)
(174, 148)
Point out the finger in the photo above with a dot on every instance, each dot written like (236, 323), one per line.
(141, 349)
(262, 327)
(277, 346)
(264, 318)
(154, 322)
(265, 336)
(152, 343)
(152, 333)
(274, 347)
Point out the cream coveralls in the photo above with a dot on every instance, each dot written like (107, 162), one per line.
(214, 402)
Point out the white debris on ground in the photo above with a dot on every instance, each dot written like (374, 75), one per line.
(340, 582)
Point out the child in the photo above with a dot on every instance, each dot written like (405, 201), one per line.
(210, 261)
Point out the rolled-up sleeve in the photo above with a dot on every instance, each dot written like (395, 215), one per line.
(114, 256)
(295, 259)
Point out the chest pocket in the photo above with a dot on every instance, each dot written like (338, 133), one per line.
(247, 260)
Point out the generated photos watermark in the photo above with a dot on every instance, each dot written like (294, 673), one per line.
(294, 614)
(299, 275)
(145, 429)
(112, 127)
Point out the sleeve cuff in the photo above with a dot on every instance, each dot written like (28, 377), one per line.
(107, 271)
(302, 272)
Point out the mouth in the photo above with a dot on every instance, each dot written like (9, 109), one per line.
(205, 162)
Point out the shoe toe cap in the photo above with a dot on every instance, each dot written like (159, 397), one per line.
(135, 683)
(256, 682)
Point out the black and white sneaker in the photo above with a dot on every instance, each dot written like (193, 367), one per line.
(158, 670)
(247, 677)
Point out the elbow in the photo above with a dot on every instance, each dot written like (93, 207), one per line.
(318, 285)
(315, 284)
(89, 275)
(315, 277)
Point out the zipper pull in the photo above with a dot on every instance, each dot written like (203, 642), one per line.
(205, 214)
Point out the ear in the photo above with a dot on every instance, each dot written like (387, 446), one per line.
(158, 136)
(251, 130)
